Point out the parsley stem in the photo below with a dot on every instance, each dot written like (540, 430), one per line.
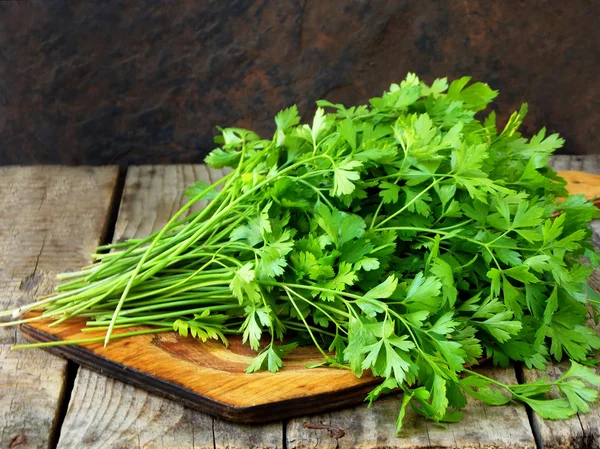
(90, 340)
(325, 355)
(129, 326)
(316, 306)
(153, 244)
(452, 235)
(298, 327)
(312, 287)
(408, 326)
(409, 203)
(173, 304)
(323, 197)
(176, 314)
(498, 384)
(498, 238)
(395, 175)
(376, 214)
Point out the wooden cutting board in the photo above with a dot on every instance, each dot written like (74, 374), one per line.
(211, 378)
(587, 184)
(208, 376)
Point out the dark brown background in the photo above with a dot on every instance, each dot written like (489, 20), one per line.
(133, 82)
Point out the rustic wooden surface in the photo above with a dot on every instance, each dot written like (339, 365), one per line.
(588, 164)
(51, 219)
(104, 413)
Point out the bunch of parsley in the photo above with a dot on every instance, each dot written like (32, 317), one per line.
(406, 237)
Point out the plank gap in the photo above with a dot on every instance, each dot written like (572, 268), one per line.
(63, 404)
(519, 373)
(213, 432)
(533, 423)
(115, 204)
(284, 443)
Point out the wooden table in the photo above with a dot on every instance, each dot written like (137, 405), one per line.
(52, 218)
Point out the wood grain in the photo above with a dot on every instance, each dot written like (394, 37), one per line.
(246, 436)
(581, 183)
(51, 220)
(105, 413)
(151, 195)
(210, 377)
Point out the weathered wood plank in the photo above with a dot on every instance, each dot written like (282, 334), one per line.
(51, 220)
(245, 436)
(362, 427)
(587, 163)
(104, 413)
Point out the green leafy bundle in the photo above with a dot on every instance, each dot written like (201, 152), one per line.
(405, 237)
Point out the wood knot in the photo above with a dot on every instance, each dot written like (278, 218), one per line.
(30, 282)
(334, 431)
(17, 441)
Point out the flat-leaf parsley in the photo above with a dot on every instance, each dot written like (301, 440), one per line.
(406, 237)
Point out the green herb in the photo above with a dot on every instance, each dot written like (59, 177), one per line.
(406, 237)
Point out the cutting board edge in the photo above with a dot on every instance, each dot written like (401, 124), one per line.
(256, 414)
